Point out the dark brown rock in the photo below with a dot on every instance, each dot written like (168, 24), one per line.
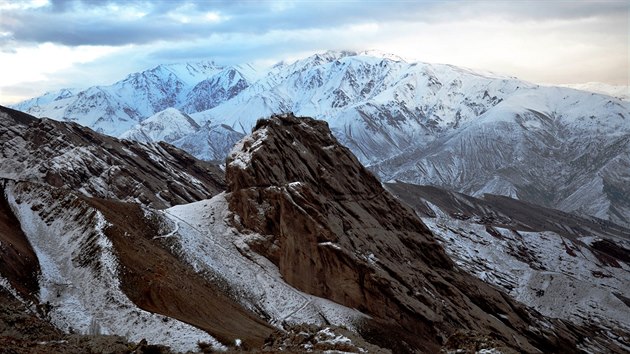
(334, 232)
(18, 261)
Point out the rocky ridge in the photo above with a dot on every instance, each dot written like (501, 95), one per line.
(304, 251)
(67, 155)
(562, 265)
(334, 232)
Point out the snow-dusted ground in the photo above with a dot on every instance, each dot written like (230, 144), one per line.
(218, 251)
(79, 275)
(558, 277)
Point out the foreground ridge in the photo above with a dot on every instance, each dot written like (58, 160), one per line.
(139, 246)
(333, 231)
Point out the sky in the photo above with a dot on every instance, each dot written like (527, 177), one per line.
(46, 45)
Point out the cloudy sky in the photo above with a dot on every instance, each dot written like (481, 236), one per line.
(50, 44)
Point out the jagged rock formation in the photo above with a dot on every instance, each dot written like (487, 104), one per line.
(334, 232)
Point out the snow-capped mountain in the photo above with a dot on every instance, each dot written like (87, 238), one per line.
(208, 142)
(167, 125)
(621, 92)
(118, 107)
(469, 131)
(219, 88)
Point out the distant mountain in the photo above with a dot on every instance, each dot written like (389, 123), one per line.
(208, 142)
(116, 108)
(621, 92)
(167, 125)
(468, 131)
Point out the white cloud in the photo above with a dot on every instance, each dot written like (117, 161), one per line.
(550, 42)
(22, 5)
(35, 64)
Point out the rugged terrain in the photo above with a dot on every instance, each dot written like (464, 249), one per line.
(333, 231)
(562, 265)
(70, 156)
(303, 251)
(468, 131)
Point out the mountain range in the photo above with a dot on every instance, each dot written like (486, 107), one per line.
(468, 131)
(115, 246)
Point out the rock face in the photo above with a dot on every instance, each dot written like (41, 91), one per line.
(67, 155)
(334, 232)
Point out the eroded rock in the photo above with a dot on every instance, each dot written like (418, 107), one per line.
(334, 232)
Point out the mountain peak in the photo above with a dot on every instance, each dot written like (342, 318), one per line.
(334, 232)
(382, 54)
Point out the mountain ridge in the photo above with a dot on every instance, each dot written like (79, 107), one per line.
(299, 241)
(468, 131)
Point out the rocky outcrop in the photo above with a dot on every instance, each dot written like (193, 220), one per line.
(334, 232)
(67, 155)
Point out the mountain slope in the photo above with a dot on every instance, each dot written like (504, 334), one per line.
(219, 88)
(116, 108)
(167, 125)
(469, 131)
(305, 251)
(332, 231)
(69, 156)
(562, 265)
(552, 155)
(98, 264)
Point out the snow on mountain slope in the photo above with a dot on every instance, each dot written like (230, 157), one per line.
(118, 107)
(213, 247)
(562, 265)
(219, 88)
(79, 279)
(67, 155)
(538, 145)
(167, 125)
(376, 105)
(45, 99)
(569, 283)
(621, 92)
(469, 131)
(210, 142)
(161, 87)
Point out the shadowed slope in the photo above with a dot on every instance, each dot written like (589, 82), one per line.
(334, 232)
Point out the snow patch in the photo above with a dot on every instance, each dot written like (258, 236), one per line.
(213, 247)
(241, 154)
